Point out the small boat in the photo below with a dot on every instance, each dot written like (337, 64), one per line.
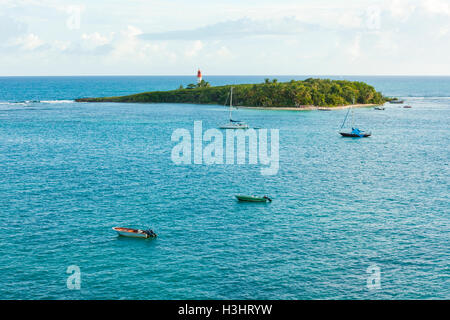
(253, 198)
(379, 108)
(407, 107)
(397, 101)
(135, 233)
(324, 109)
(233, 124)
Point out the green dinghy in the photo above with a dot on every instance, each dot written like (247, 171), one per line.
(253, 198)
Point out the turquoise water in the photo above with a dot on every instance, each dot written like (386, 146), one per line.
(69, 172)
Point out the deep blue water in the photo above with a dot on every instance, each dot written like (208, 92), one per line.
(69, 172)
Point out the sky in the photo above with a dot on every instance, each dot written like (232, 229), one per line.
(232, 37)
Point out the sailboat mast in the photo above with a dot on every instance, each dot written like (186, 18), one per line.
(345, 119)
(346, 115)
(353, 122)
(231, 101)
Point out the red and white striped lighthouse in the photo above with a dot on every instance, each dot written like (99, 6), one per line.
(199, 76)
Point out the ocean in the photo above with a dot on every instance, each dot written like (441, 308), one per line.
(343, 211)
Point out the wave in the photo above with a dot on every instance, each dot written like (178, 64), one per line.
(6, 103)
(57, 101)
(422, 97)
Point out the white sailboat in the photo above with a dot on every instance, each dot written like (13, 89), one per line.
(233, 124)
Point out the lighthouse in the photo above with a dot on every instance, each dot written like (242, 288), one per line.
(199, 76)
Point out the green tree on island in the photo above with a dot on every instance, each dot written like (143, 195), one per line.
(201, 84)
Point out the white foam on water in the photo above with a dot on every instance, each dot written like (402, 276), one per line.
(425, 98)
(57, 101)
(5, 103)
(8, 105)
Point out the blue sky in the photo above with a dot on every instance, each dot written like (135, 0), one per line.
(171, 37)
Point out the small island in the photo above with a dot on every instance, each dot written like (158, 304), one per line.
(307, 94)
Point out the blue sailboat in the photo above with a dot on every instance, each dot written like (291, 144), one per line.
(355, 132)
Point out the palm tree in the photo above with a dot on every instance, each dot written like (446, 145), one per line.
(203, 84)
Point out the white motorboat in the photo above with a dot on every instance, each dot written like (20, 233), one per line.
(135, 233)
(234, 125)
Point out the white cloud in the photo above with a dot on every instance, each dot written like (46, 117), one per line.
(194, 49)
(125, 48)
(350, 20)
(224, 52)
(355, 48)
(387, 43)
(443, 31)
(132, 31)
(401, 9)
(61, 45)
(437, 6)
(28, 42)
(96, 39)
(232, 29)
